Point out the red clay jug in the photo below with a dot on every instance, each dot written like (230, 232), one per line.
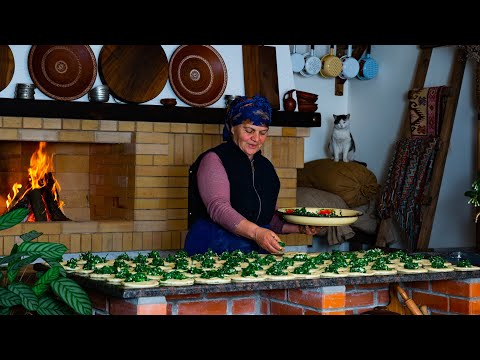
(289, 103)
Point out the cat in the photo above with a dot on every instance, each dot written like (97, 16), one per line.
(341, 145)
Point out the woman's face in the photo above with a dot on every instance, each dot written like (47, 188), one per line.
(249, 138)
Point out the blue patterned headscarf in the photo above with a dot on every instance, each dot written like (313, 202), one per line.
(257, 109)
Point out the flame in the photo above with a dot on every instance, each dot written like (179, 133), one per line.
(15, 189)
(40, 165)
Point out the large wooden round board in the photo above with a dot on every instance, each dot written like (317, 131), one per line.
(62, 72)
(198, 74)
(133, 73)
(7, 66)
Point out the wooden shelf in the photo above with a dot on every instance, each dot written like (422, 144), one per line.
(138, 112)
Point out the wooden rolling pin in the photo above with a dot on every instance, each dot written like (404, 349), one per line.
(409, 302)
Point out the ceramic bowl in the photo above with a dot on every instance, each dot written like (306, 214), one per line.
(168, 102)
(306, 96)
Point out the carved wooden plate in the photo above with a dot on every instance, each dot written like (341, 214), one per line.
(62, 72)
(7, 66)
(133, 73)
(198, 74)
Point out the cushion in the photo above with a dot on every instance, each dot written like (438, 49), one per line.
(353, 182)
(310, 197)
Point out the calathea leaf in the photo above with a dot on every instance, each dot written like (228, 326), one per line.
(8, 298)
(11, 258)
(12, 275)
(13, 218)
(14, 249)
(49, 306)
(19, 264)
(43, 249)
(4, 310)
(30, 235)
(55, 263)
(42, 283)
(28, 298)
(73, 295)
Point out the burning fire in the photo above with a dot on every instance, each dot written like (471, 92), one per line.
(40, 174)
(15, 189)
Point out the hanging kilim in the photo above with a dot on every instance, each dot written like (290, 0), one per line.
(408, 174)
(425, 108)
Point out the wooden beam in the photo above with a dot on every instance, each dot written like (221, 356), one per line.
(428, 214)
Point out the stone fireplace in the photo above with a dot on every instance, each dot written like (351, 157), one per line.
(96, 180)
(124, 183)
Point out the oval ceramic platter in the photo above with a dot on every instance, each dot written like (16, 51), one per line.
(319, 216)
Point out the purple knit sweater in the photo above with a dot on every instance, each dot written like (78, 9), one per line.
(214, 189)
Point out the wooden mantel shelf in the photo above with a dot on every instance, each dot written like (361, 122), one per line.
(138, 112)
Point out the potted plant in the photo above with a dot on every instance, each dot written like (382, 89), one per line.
(474, 195)
(53, 293)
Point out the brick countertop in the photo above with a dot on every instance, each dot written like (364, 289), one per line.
(120, 292)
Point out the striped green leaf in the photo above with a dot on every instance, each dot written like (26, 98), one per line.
(8, 298)
(42, 283)
(30, 235)
(11, 258)
(73, 295)
(17, 265)
(55, 263)
(28, 298)
(43, 249)
(40, 289)
(4, 311)
(14, 249)
(49, 306)
(13, 218)
(12, 275)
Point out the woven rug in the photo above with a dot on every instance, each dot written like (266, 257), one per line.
(425, 106)
(409, 171)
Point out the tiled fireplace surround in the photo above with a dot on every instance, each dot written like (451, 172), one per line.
(124, 183)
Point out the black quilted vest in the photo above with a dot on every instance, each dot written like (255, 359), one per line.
(252, 193)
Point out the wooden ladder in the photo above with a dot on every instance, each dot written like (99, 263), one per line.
(433, 187)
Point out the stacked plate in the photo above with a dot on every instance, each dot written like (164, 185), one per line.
(101, 93)
(24, 91)
(307, 101)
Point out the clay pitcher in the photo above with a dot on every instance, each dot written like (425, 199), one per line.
(289, 103)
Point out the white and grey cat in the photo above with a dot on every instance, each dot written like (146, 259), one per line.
(341, 146)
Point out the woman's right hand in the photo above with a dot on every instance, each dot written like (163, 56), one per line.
(268, 240)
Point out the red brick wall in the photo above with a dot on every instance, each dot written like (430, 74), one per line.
(441, 297)
(447, 296)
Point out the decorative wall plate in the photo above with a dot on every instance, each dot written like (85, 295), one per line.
(7, 66)
(62, 72)
(198, 74)
(133, 73)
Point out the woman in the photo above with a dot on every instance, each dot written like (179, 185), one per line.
(233, 188)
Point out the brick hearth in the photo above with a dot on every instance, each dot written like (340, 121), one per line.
(134, 194)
